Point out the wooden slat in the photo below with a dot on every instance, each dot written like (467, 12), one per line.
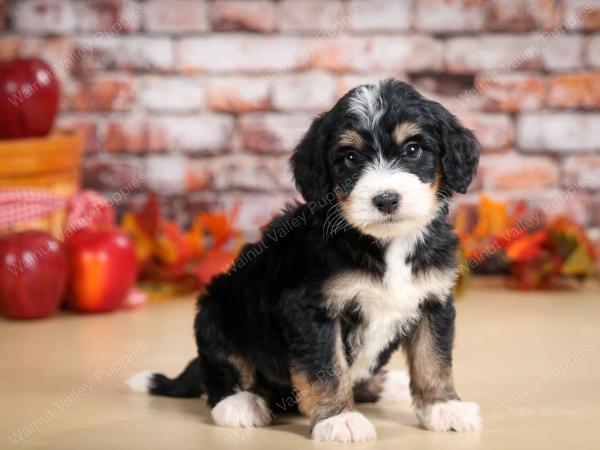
(58, 152)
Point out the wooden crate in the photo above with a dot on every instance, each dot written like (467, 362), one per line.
(50, 163)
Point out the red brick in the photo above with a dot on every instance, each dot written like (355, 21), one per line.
(593, 52)
(450, 15)
(580, 90)
(247, 173)
(582, 172)
(101, 94)
(239, 94)
(248, 15)
(562, 52)
(272, 133)
(206, 133)
(347, 82)
(523, 15)
(554, 202)
(582, 14)
(494, 131)
(489, 52)
(246, 53)
(104, 172)
(110, 16)
(171, 94)
(515, 172)
(87, 127)
(199, 175)
(306, 91)
(366, 54)
(309, 15)
(558, 132)
(44, 16)
(176, 16)
(166, 174)
(138, 53)
(130, 135)
(378, 15)
(510, 92)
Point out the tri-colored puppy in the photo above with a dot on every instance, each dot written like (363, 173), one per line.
(309, 315)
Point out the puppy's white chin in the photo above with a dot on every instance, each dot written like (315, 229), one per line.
(390, 230)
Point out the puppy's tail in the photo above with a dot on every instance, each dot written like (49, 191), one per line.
(186, 385)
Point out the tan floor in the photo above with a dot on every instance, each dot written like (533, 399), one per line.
(530, 360)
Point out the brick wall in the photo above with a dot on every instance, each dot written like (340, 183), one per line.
(203, 100)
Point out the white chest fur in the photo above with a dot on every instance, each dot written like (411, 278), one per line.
(388, 305)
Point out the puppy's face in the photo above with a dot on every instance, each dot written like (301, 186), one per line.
(390, 156)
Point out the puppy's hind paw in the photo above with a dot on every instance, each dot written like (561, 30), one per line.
(349, 426)
(451, 415)
(395, 387)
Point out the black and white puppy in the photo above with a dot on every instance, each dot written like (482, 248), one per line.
(309, 315)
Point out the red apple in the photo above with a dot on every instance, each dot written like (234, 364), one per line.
(29, 94)
(103, 268)
(33, 274)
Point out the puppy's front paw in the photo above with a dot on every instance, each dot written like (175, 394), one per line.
(242, 410)
(349, 426)
(451, 415)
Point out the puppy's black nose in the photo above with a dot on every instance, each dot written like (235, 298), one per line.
(387, 202)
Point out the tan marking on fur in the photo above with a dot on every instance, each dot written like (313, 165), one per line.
(405, 131)
(430, 377)
(245, 371)
(437, 182)
(351, 139)
(330, 393)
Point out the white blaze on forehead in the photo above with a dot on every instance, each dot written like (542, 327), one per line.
(367, 106)
(418, 203)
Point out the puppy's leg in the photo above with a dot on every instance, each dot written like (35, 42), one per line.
(384, 386)
(429, 353)
(323, 389)
(228, 383)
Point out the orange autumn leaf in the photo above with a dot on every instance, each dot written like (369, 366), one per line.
(149, 218)
(528, 246)
(220, 226)
(216, 261)
(171, 245)
(172, 255)
(493, 218)
(144, 245)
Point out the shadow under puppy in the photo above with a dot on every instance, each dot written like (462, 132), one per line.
(308, 316)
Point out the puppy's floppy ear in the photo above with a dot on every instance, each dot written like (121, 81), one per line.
(460, 152)
(309, 162)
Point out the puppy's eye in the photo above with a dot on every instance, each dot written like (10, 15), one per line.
(412, 150)
(351, 158)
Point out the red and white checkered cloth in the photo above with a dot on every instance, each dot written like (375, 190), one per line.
(84, 208)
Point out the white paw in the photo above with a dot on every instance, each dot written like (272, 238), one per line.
(395, 387)
(140, 382)
(451, 415)
(349, 426)
(242, 410)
